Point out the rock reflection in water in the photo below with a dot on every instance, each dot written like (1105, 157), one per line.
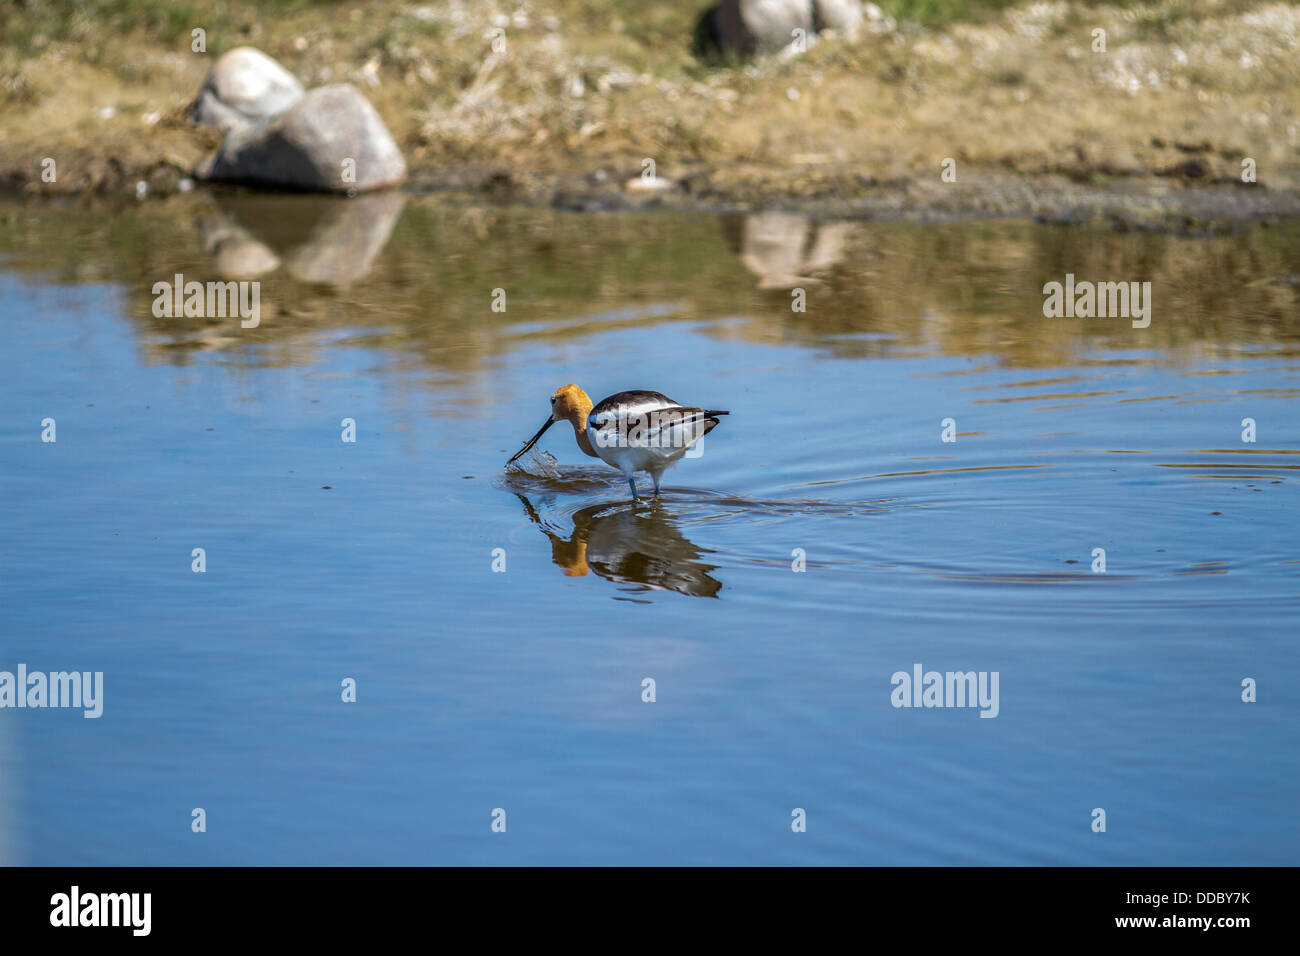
(325, 240)
(785, 249)
(629, 543)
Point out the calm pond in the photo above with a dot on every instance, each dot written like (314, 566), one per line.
(499, 626)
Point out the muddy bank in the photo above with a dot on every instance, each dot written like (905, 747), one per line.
(1019, 114)
(1143, 203)
(1166, 203)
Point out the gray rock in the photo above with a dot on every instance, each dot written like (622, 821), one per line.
(245, 86)
(738, 28)
(330, 133)
(844, 16)
(761, 26)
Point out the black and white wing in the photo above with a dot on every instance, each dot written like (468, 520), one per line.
(648, 418)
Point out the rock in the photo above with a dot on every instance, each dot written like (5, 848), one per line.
(761, 26)
(648, 184)
(245, 86)
(1194, 168)
(738, 28)
(844, 16)
(330, 140)
(278, 136)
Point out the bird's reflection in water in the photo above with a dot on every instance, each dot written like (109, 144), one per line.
(630, 544)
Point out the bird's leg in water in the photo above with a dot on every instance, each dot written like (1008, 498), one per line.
(655, 476)
(631, 483)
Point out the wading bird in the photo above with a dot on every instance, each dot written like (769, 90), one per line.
(633, 431)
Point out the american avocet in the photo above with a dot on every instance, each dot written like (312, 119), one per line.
(633, 431)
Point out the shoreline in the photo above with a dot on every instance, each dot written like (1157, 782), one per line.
(1156, 132)
(1134, 203)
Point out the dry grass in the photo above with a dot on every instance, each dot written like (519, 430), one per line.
(1187, 88)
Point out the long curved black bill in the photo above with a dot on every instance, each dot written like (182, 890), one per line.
(532, 441)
